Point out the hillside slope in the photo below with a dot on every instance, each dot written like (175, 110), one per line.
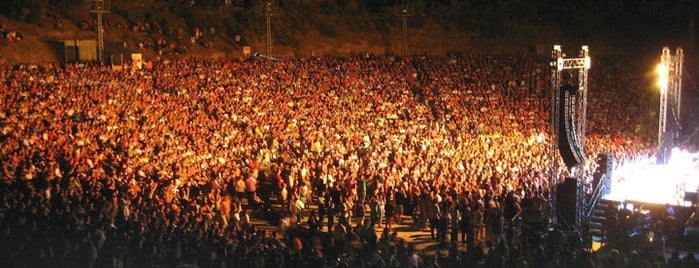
(173, 29)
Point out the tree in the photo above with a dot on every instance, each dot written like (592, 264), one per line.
(25, 10)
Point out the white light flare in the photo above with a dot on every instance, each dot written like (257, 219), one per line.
(642, 180)
(662, 76)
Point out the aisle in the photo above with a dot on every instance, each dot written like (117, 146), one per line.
(408, 230)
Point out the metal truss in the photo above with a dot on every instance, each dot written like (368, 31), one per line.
(670, 71)
(559, 66)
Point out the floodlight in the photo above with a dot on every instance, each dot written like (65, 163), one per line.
(662, 77)
(587, 62)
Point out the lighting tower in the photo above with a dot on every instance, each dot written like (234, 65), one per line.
(670, 82)
(100, 7)
(559, 65)
(404, 9)
(270, 8)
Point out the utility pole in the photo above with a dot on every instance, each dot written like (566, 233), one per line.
(270, 8)
(404, 9)
(100, 7)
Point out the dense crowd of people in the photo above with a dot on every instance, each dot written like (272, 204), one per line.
(165, 166)
(9, 36)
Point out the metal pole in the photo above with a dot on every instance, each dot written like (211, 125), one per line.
(582, 72)
(556, 67)
(405, 32)
(100, 7)
(100, 37)
(404, 9)
(678, 60)
(269, 9)
(665, 59)
(268, 42)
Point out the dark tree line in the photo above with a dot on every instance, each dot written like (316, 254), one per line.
(30, 10)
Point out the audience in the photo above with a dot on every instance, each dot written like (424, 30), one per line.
(166, 166)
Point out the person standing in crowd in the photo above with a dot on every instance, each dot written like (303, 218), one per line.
(279, 183)
(322, 208)
(361, 190)
(374, 212)
(400, 202)
(434, 214)
(390, 208)
(444, 219)
(495, 223)
(510, 211)
(313, 222)
(466, 225)
(240, 188)
(251, 189)
(332, 211)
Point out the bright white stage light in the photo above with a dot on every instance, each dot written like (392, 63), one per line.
(662, 77)
(642, 180)
(587, 62)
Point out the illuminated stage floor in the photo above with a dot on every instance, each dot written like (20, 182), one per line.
(644, 181)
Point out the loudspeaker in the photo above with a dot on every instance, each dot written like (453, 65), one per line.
(568, 195)
(603, 173)
(605, 163)
(568, 144)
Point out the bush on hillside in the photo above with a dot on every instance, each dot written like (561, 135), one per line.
(284, 36)
(23, 10)
(327, 29)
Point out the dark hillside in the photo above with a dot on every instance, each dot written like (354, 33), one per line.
(214, 28)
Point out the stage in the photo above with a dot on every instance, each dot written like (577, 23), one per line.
(642, 180)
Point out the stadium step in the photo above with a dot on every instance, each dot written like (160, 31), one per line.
(598, 219)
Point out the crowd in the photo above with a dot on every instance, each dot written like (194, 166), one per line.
(166, 166)
(9, 36)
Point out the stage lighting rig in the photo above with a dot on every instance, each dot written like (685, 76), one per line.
(670, 84)
(573, 122)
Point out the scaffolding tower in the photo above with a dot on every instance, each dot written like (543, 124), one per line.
(670, 72)
(560, 66)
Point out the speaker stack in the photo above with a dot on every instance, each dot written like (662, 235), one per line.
(568, 143)
(569, 198)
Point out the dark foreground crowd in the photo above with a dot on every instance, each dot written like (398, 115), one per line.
(166, 166)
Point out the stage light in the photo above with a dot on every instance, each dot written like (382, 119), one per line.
(587, 62)
(662, 77)
(643, 180)
(559, 64)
